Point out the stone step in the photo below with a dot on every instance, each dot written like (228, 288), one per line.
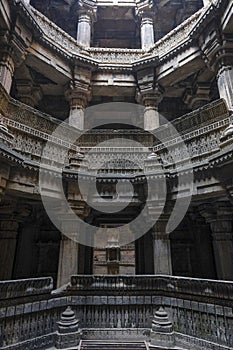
(111, 345)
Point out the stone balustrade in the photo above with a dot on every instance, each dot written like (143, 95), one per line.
(177, 37)
(201, 130)
(55, 35)
(63, 42)
(110, 307)
(26, 287)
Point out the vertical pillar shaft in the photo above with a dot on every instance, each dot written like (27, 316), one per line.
(8, 239)
(225, 85)
(68, 260)
(84, 30)
(76, 117)
(162, 249)
(147, 33)
(223, 248)
(151, 118)
(6, 71)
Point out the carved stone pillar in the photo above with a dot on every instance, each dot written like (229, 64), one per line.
(84, 29)
(78, 94)
(220, 219)
(144, 11)
(78, 102)
(147, 32)
(6, 69)
(150, 95)
(151, 114)
(8, 240)
(161, 247)
(68, 256)
(86, 14)
(225, 84)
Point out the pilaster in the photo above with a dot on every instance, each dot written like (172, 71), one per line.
(219, 216)
(10, 218)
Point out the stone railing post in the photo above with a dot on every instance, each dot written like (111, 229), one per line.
(68, 334)
(162, 334)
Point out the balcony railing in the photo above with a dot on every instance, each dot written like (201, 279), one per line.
(117, 306)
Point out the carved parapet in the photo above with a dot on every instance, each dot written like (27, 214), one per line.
(26, 287)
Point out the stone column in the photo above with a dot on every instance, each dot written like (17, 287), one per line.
(223, 247)
(220, 219)
(161, 248)
(6, 69)
(78, 102)
(225, 84)
(68, 257)
(8, 240)
(147, 32)
(84, 28)
(151, 114)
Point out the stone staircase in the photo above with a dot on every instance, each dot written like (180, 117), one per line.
(111, 345)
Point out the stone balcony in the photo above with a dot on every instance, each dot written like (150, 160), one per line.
(201, 131)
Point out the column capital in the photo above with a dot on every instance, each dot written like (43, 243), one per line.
(87, 8)
(77, 97)
(197, 96)
(28, 93)
(216, 212)
(144, 8)
(153, 98)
